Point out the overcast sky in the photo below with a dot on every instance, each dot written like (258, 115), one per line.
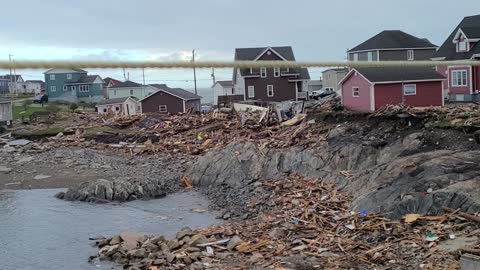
(169, 30)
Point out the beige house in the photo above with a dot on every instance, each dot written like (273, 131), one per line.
(332, 77)
(6, 113)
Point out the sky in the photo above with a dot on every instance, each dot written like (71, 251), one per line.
(169, 30)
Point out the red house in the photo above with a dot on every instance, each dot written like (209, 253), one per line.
(368, 89)
(462, 81)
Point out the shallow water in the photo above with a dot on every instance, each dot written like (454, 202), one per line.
(38, 231)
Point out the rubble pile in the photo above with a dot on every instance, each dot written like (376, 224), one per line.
(190, 133)
(305, 224)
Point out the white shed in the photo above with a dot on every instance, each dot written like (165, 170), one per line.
(6, 113)
(124, 106)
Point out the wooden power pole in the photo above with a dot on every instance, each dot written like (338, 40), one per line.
(194, 72)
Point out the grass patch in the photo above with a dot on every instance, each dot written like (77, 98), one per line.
(19, 111)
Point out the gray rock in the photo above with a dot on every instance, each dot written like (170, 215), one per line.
(184, 232)
(116, 240)
(164, 248)
(41, 177)
(170, 257)
(131, 240)
(4, 169)
(278, 233)
(198, 239)
(137, 253)
(235, 241)
(173, 244)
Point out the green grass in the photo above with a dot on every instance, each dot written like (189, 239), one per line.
(19, 111)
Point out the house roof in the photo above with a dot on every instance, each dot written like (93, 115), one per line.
(225, 83)
(35, 81)
(116, 100)
(160, 86)
(176, 92)
(59, 70)
(285, 52)
(128, 84)
(85, 79)
(249, 54)
(11, 77)
(113, 81)
(471, 28)
(336, 70)
(393, 39)
(397, 74)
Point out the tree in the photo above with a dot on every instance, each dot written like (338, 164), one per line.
(73, 107)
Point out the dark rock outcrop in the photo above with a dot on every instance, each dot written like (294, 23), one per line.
(393, 176)
(102, 190)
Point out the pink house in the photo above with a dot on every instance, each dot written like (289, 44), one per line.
(368, 89)
(462, 82)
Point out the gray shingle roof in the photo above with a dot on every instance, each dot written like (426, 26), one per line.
(398, 74)
(249, 54)
(391, 39)
(85, 79)
(113, 101)
(160, 86)
(11, 77)
(127, 84)
(181, 93)
(448, 49)
(225, 83)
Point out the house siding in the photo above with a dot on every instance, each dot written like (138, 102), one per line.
(363, 56)
(220, 91)
(460, 90)
(363, 101)
(331, 78)
(6, 113)
(401, 55)
(477, 78)
(138, 92)
(151, 104)
(428, 94)
(4, 87)
(60, 80)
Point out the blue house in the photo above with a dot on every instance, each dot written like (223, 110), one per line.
(73, 85)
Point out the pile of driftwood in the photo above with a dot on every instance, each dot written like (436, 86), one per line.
(307, 224)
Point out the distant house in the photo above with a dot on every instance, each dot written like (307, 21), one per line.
(223, 93)
(314, 85)
(4, 86)
(270, 84)
(110, 82)
(16, 83)
(123, 106)
(368, 89)
(6, 113)
(129, 88)
(332, 77)
(393, 45)
(463, 81)
(34, 86)
(73, 85)
(170, 100)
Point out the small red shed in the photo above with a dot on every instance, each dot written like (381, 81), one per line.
(368, 89)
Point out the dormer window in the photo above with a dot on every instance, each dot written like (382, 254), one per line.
(462, 46)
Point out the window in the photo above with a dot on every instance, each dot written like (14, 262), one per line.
(84, 88)
(288, 70)
(370, 56)
(69, 76)
(263, 72)
(117, 109)
(52, 77)
(131, 92)
(409, 89)
(105, 110)
(114, 92)
(53, 88)
(269, 90)
(459, 78)
(355, 57)
(276, 72)
(410, 55)
(73, 88)
(65, 88)
(355, 92)
(251, 91)
(162, 108)
(462, 46)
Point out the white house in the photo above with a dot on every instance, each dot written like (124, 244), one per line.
(123, 106)
(130, 89)
(222, 89)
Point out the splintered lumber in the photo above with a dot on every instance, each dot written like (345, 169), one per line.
(462, 214)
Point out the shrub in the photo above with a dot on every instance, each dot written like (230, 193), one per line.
(73, 107)
(53, 108)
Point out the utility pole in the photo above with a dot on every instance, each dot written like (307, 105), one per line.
(124, 75)
(194, 71)
(213, 75)
(10, 85)
(143, 72)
